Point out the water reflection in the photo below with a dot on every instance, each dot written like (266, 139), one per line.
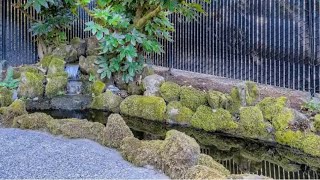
(236, 154)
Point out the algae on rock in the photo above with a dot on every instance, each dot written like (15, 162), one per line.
(192, 98)
(5, 97)
(147, 107)
(107, 101)
(176, 112)
(116, 130)
(170, 91)
(211, 120)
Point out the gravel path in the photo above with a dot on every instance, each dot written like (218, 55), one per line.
(31, 154)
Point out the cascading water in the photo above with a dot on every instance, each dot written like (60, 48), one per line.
(74, 84)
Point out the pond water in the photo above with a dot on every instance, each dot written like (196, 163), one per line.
(236, 154)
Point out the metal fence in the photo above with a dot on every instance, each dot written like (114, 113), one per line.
(272, 42)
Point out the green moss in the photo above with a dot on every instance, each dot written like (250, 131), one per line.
(236, 101)
(290, 138)
(98, 87)
(208, 161)
(5, 97)
(192, 98)
(56, 85)
(281, 121)
(147, 107)
(106, 101)
(317, 122)
(170, 91)
(31, 85)
(34, 121)
(252, 93)
(7, 114)
(311, 145)
(212, 120)
(46, 60)
(272, 107)
(218, 100)
(56, 65)
(251, 123)
(179, 113)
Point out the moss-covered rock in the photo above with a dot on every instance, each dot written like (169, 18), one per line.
(252, 124)
(178, 113)
(45, 61)
(31, 85)
(7, 114)
(236, 101)
(147, 107)
(316, 122)
(56, 84)
(290, 138)
(142, 153)
(107, 101)
(203, 172)
(34, 121)
(116, 130)
(135, 88)
(192, 98)
(179, 153)
(152, 84)
(211, 120)
(311, 145)
(76, 128)
(218, 100)
(170, 91)
(98, 87)
(272, 107)
(5, 97)
(206, 160)
(56, 65)
(252, 93)
(282, 120)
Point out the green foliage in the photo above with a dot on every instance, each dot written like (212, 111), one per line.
(56, 16)
(9, 82)
(128, 29)
(311, 106)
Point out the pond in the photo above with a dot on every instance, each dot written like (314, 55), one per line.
(236, 154)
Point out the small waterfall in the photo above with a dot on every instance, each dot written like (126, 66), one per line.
(73, 71)
(74, 84)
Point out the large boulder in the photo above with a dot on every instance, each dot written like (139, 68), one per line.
(170, 91)
(56, 84)
(5, 97)
(107, 101)
(152, 85)
(179, 153)
(178, 113)
(31, 85)
(116, 130)
(92, 46)
(7, 114)
(76, 128)
(192, 98)
(34, 121)
(211, 120)
(147, 107)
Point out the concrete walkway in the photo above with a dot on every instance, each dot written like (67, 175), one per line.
(32, 155)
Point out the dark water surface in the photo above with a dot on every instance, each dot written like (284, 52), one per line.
(236, 154)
